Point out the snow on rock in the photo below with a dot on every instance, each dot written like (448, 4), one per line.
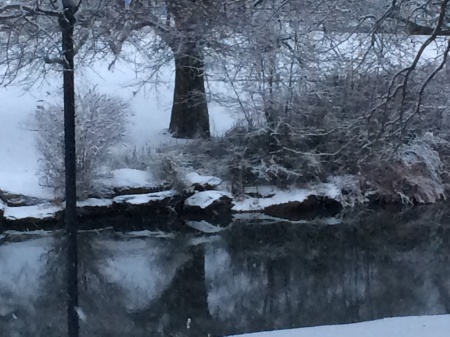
(252, 204)
(138, 199)
(415, 326)
(205, 199)
(204, 227)
(193, 178)
(37, 212)
(280, 197)
(94, 202)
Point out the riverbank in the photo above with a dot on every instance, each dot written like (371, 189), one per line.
(205, 200)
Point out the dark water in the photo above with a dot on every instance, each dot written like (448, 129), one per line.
(253, 276)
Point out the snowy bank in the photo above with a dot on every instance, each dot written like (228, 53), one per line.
(416, 326)
(204, 202)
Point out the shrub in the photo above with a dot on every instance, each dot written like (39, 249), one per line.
(100, 124)
(413, 175)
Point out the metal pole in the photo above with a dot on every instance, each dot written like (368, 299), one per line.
(66, 23)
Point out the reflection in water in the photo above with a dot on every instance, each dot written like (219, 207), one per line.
(252, 277)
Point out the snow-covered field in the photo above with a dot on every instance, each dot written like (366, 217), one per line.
(419, 326)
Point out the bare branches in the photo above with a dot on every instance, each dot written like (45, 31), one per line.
(20, 10)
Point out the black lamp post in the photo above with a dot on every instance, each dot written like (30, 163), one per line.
(66, 23)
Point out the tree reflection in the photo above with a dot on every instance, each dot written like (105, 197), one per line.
(248, 279)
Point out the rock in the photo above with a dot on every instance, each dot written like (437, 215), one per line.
(159, 203)
(118, 191)
(30, 218)
(94, 208)
(17, 200)
(214, 206)
(313, 206)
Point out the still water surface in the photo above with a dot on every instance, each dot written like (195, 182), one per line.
(253, 276)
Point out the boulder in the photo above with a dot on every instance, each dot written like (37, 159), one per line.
(94, 208)
(214, 206)
(311, 207)
(159, 203)
(17, 200)
(118, 191)
(27, 218)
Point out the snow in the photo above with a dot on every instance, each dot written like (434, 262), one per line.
(415, 326)
(281, 197)
(95, 202)
(205, 199)
(204, 227)
(37, 212)
(194, 178)
(18, 156)
(19, 159)
(328, 190)
(138, 199)
(126, 177)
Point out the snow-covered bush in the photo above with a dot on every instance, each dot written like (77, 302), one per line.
(100, 124)
(413, 175)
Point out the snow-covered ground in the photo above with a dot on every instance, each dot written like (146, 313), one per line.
(418, 326)
(19, 160)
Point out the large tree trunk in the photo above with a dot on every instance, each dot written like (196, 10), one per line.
(190, 118)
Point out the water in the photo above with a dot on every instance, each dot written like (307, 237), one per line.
(256, 275)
